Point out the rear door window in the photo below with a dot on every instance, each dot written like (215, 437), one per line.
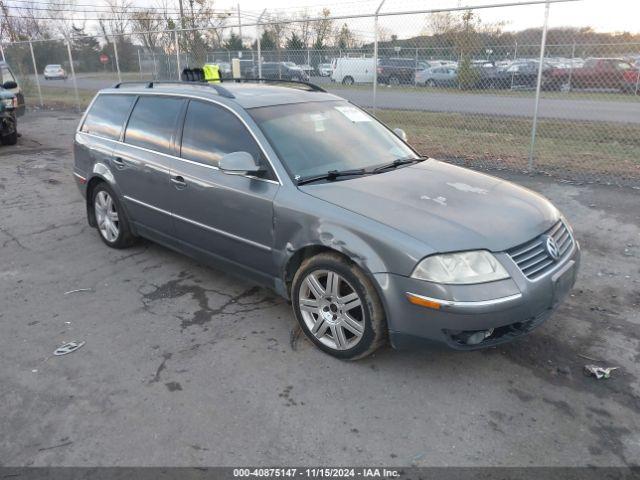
(153, 123)
(107, 115)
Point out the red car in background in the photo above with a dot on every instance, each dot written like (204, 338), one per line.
(609, 73)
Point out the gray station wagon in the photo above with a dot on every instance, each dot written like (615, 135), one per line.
(307, 194)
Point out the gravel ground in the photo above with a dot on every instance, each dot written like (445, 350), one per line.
(184, 365)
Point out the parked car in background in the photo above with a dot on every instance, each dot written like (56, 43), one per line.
(609, 73)
(9, 83)
(246, 68)
(306, 68)
(52, 72)
(348, 70)
(281, 70)
(324, 69)
(396, 71)
(224, 69)
(8, 120)
(437, 77)
(520, 74)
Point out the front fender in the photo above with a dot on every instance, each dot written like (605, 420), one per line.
(302, 222)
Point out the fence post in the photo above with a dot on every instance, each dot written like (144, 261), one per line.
(637, 81)
(375, 57)
(155, 68)
(115, 53)
(73, 75)
(177, 45)
(35, 71)
(543, 44)
(139, 63)
(573, 55)
(515, 56)
(2, 53)
(415, 70)
(258, 42)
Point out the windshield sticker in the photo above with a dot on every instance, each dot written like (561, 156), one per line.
(318, 120)
(354, 114)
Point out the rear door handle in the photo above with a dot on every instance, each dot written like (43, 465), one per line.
(118, 162)
(178, 181)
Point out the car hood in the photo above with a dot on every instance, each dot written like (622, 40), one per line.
(448, 208)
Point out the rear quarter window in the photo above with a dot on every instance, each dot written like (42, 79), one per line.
(107, 115)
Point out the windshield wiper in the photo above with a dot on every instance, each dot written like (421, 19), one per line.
(331, 175)
(396, 163)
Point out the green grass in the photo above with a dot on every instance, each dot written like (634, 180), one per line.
(54, 97)
(576, 147)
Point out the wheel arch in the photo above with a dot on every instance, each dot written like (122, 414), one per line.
(101, 174)
(305, 252)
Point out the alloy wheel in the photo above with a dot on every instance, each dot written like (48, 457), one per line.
(107, 216)
(332, 309)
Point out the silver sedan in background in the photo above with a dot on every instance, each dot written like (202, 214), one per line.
(55, 72)
(437, 77)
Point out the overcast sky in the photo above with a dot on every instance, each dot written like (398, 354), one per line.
(603, 15)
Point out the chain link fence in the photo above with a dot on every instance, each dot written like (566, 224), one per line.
(552, 100)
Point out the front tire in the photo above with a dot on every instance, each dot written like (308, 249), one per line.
(338, 307)
(111, 220)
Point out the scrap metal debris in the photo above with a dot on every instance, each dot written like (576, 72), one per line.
(68, 347)
(79, 290)
(599, 372)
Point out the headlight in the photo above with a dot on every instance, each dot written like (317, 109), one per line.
(460, 268)
(7, 102)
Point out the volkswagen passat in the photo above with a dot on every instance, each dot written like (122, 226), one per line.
(305, 193)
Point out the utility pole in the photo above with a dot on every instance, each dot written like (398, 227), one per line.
(181, 14)
(239, 23)
(543, 44)
(258, 33)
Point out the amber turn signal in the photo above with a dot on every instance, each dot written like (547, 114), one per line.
(423, 302)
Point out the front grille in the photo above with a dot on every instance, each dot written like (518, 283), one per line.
(532, 257)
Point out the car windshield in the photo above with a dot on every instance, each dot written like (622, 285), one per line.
(316, 137)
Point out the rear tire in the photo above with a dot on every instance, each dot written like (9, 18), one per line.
(111, 219)
(348, 80)
(10, 139)
(430, 83)
(338, 307)
(394, 81)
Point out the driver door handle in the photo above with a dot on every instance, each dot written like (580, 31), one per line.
(178, 181)
(118, 162)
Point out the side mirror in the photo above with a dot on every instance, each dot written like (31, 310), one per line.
(400, 133)
(239, 163)
(9, 85)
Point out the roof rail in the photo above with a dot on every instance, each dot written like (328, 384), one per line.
(220, 90)
(311, 86)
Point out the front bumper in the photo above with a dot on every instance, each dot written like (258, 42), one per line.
(511, 307)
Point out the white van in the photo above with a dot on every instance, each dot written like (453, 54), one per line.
(352, 70)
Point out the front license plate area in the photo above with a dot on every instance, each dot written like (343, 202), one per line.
(563, 281)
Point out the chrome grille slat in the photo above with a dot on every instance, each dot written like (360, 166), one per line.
(532, 257)
(555, 229)
(535, 261)
(536, 270)
(526, 249)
